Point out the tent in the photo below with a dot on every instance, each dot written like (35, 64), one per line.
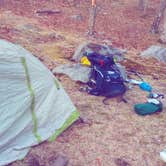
(34, 107)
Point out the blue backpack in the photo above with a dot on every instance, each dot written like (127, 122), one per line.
(105, 78)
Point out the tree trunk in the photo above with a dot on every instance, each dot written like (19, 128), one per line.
(163, 34)
(142, 5)
(157, 20)
(92, 17)
(2, 2)
(92, 20)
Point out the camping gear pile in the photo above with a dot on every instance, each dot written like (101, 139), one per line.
(34, 107)
(153, 104)
(106, 80)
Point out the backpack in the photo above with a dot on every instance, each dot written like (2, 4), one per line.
(102, 61)
(105, 78)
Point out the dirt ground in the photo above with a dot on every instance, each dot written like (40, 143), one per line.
(115, 136)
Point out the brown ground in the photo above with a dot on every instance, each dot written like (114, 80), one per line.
(116, 133)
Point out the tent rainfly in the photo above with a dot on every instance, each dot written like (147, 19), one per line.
(34, 107)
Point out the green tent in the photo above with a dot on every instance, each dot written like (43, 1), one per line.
(34, 107)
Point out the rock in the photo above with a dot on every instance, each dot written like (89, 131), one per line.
(77, 17)
(28, 27)
(99, 48)
(156, 52)
(76, 72)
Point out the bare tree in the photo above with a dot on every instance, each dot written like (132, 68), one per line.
(159, 16)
